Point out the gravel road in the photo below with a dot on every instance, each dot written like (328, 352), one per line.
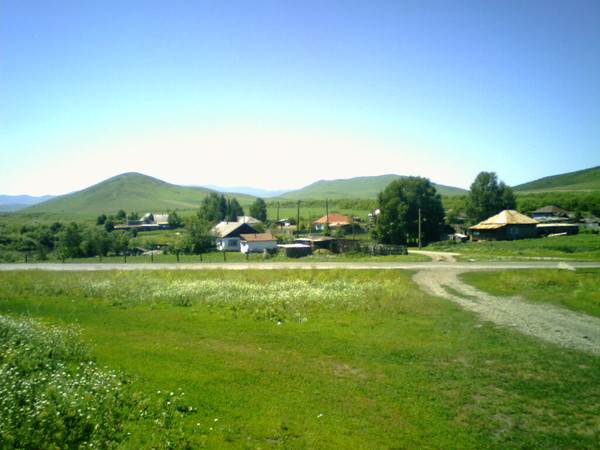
(547, 322)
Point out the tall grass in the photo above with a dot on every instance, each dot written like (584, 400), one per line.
(279, 296)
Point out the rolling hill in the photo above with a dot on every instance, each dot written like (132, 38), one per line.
(355, 188)
(129, 192)
(582, 180)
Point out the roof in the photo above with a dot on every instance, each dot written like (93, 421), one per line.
(551, 209)
(224, 229)
(334, 219)
(258, 237)
(248, 219)
(506, 217)
(156, 218)
(316, 239)
(557, 225)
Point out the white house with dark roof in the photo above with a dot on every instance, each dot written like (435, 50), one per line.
(228, 235)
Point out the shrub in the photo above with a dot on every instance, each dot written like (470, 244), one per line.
(51, 392)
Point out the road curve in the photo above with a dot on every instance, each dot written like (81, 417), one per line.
(437, 265)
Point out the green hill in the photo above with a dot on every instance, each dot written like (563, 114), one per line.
(129, 192)
(355, 188)
(582, 180)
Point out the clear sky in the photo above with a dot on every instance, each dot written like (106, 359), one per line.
(279, 94)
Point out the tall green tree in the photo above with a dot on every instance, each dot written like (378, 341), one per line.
(174, 220)
(488, 197)
(69, 241)
(258, 210)
(234, 210)
(399, 206)
(198, 237)
(213, 208)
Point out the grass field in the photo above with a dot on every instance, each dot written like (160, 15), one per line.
(585, 247)
(311, 359)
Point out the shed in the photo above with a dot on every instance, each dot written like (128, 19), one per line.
(506, 225)
(320, 243)
(546, 229)
(295, 250)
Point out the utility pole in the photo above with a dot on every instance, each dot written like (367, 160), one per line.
(298, 221)
(326, 228)
(419, 227)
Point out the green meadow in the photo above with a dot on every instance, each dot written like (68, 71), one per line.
(577, 291)
(582, 247)
(276, 359)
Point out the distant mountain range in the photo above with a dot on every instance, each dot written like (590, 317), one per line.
(134, 192)
(246, 190)
(16, 202)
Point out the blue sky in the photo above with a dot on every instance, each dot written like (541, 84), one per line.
(279, 94)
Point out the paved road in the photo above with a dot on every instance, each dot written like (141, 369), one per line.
(434, 265)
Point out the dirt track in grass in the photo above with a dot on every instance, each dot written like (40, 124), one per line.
(544, 321)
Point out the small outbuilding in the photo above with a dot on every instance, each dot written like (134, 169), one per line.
(506, 225)
(554, 229)
(295, 250)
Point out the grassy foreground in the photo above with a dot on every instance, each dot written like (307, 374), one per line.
(315, 359)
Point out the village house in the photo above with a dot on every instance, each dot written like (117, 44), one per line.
(506, 225)
(258, 243)
(336, 221)
(551, 213)
(228, 235)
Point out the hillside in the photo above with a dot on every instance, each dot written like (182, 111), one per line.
(129, 192)
(355, 188)
(581, 180)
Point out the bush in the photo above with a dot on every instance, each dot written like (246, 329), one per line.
(51, 392)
